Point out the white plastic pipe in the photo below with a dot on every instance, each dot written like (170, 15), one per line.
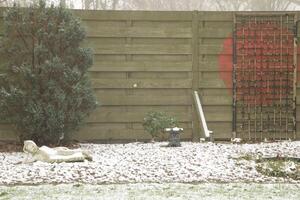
(207, 132)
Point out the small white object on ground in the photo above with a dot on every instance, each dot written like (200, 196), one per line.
(174, 129)
(236, 140)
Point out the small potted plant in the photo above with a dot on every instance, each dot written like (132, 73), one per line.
(155, 123)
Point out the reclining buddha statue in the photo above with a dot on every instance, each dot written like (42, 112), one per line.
(57, 155)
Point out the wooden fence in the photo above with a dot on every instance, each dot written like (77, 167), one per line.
(167, 55)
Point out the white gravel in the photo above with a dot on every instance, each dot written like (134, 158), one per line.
(140, 162)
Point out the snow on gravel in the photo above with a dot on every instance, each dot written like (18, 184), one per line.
(150, 162)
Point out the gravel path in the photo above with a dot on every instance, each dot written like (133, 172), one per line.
(140, 162)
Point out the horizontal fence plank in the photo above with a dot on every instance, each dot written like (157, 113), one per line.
(96, 133)
(165, 41)
(215, 75)
(210, 49)
(214, 83)
(110, 57)
(161, 57)
(213, 50)
(94, 41)
(136, 15)
(213, 66)
(218, 113)
(143, 49)
(170, 92)
(140, 75)
(215, 32)
(108, 75)
(216, 57)
(141, 83)
(216, 16)
(216, 100)
(142, 66)
(169, 109)
(218, 24)
(103, 23)
(215, 92)
(122, 100)
(145, 32)
(136, 113)
(160, 75)
(161, 23)
(130, 117)
(211, 41)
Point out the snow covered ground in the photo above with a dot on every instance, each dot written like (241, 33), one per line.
(150, 162)
(154, 191)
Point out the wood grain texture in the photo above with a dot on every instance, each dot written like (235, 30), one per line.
(146, 100)
(138, 32)
(141, 83)
(142, 66)
(143, 49)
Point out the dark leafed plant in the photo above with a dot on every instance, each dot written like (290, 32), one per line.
(155, 123)
(45, 91)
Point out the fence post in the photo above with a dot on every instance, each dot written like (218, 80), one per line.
(195, 73)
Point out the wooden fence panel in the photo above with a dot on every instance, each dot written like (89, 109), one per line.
(151, 61)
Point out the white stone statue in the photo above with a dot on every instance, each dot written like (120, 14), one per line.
(58, 154)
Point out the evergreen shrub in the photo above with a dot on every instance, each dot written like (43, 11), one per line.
(45, 90)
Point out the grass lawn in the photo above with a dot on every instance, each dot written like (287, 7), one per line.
(151, 191)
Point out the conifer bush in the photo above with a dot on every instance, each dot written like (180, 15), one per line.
(155, 122)
(45, 90)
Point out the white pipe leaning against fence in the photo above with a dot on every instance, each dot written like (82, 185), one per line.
(207, 133)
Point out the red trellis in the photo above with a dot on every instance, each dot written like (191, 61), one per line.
(264, 77)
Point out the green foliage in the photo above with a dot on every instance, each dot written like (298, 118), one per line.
(45, 91)
(156, 122)
(247, 157)
(278, 168)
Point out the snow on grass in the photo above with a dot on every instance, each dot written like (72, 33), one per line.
(153, 191)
